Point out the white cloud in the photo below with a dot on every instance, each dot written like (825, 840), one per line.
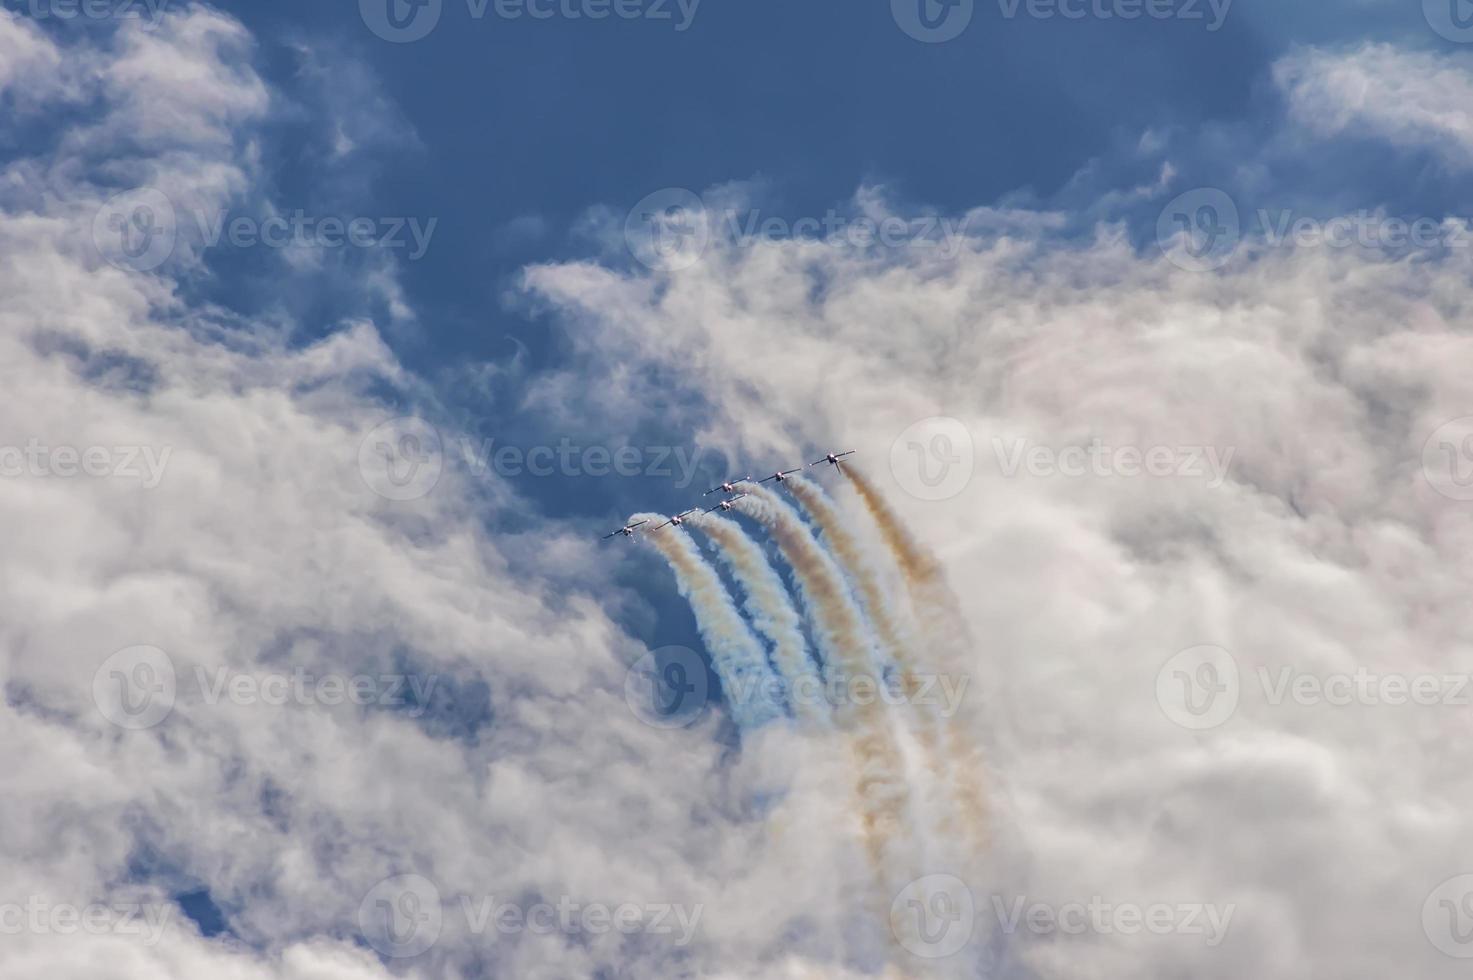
(1324, 371)
(261, 549)
(1408, 98)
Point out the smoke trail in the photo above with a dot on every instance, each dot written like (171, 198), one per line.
(946, 627)
(848, 655)
(736, 655)
(918, 564)
(773, 613)
(897, 638)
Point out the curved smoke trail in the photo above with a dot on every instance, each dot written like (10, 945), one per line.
(848, 650)
(773, 613)
(895, 634)
(945, 626)
(747, 678)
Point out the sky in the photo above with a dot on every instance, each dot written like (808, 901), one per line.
(336, 336)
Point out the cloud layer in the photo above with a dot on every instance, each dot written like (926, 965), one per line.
(269, 547)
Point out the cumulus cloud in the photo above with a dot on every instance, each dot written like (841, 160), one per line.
(510, 769)
(188, 508)
(1323, 381)
(1408, 98)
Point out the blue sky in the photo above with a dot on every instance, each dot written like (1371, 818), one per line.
(508, 130)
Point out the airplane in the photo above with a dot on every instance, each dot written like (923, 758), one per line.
(726, 504)
(677, 520)
(728, 487)
(627, 530)
(781, 475)
(833, 458)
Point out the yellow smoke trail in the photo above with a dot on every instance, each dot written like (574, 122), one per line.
(736, 655)
(773, 613)
(918, 564)
(897, 639)
(941, 616)
(845, 642)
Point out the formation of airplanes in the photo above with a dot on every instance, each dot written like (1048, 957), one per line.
(729, 486)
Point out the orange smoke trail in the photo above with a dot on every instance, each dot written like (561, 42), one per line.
(940, 612)
(918, 564)
(897, 639)
(845, 642)
(772, 612)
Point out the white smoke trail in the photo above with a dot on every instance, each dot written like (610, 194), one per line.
(848, 649)
(898, 637)
(946, 629)
(895, 632)
(747, 678)
(773, 613)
